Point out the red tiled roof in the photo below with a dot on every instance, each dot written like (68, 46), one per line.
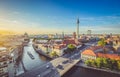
(89, 52)
(95, 47)
(69, 42)
(59, 46)
(111, 56)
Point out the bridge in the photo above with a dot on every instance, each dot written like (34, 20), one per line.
(63, 64)
(55, 68)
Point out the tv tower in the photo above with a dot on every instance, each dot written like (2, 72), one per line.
(78, 28)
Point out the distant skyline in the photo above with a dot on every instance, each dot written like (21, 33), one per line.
(56, 16)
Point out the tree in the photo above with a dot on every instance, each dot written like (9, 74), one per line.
(53, 54)
(88, 62)
(71, 47)
(118, 65)
(93, 63)
(99, 62)
(114, 64)
(109, 63)
(105, 64)
(102, 42)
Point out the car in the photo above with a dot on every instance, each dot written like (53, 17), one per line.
(76, 54)
(47, 66)
(53, 68)
(39, 75)
(72, 57)
(81, 60)
(10, 61)
(66, 61)
(60, 66)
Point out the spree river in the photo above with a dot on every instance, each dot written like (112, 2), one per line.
(29, 63)
(84, 72)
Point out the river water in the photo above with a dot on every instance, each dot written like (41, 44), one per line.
(84, 72)
(29, 63)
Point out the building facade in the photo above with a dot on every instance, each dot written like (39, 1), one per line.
(98, 51)
(4, 60)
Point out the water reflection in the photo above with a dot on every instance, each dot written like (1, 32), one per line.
(83, 72)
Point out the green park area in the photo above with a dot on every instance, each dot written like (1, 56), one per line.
(104, 63)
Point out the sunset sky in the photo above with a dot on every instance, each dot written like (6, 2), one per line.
(56, 16)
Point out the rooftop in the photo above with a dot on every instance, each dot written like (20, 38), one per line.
(95, 47)
(111, 56)
(89, 52)
(69, 41)
(2, 48)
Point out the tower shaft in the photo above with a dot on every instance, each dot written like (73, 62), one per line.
(77, 28)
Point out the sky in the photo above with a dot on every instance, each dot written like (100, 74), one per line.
(57, 16)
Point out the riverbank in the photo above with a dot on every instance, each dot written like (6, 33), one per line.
(19, 61)
(15, 67)
(77, 71)
(20, 54)
(41, 52)
(81, 64)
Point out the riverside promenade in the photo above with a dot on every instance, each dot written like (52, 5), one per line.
(80, 64)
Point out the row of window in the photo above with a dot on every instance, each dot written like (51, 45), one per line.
(87, 57)
(1, 72)
(4, 70)
(4, 74)
(4, 63)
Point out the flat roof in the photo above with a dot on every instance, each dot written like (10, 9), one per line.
(2, 48)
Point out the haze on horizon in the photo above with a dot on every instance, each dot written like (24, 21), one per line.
(56, 16)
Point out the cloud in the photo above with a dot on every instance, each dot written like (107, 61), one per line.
(18, 21)
(16, 12)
